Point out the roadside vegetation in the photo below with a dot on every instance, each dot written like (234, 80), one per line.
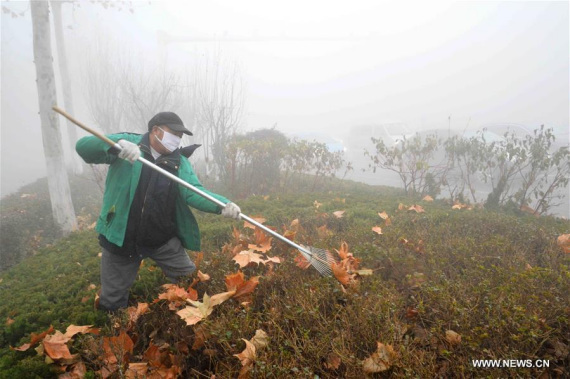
(427, 287)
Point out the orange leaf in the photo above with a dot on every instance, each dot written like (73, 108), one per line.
(301, 262)
(9, 321)
(332, 362)
(377, 230)
(401, 207)
(55, 346)
(261, 220)
(72, 330)
(117, 347)
(34, 339)
(137, 370)
(203, 277)
(341, 273)
(564, 242)
(383, 215)
(416, 208)
(428, 198)
(343, 252)
(381, 360)
(135, 312)
(199, 258)
(200, 337)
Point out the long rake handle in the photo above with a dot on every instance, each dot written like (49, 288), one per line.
(186, 184)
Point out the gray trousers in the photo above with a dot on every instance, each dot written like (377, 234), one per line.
(119, 272)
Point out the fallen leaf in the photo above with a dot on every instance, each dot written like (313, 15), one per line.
(323, 232)
(428, 198)
(200, 310)
(564, 242)
(117, 348)
(72, 330)
(452, 337)
(247, 257)
(246, 357)
(383, 215)
(339, 214)
(34, 339)
(55, 346)
(341, 274)
(203, 277)
(260, 340)
(246, 224)
(200, 256)
(401, 207)
(9, 321)
(302, 262)
(416, 208)
(317, 205)
(381, 360)
(377, 230)
(332, 362)
(242, 287)
(135, 312)
(137, 370)
(365, 272)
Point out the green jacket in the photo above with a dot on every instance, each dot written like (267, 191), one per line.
(121, 184)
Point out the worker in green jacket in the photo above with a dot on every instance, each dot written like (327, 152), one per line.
(144, 213)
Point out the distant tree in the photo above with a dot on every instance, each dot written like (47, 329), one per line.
(58, 183)
(220, 107)
(413, 160)
(254, 160)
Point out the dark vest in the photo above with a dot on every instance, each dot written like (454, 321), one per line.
(151, 220)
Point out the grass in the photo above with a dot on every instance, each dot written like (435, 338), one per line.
(499, 280)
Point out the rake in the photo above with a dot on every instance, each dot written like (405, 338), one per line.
(320, 259)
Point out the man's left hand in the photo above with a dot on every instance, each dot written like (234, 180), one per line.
(231, 210)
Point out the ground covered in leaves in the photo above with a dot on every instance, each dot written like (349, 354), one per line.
(420, 289)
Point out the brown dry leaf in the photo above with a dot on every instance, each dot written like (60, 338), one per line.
(242, 287)
(564, 242)
(117, 347)
(401, 207)
(340, 272)
(200, 257)
(427, 198)
(260, 340)
(34, 339)
(416, 208)
(248, 355)
(332, 362)
(365, 272)
(383, 215)
(302, 262)
(203, 277)
(343, 251)
(9, 321)
(75, 371)
(55, 346)
(339, 214)
(259, 219)
(135, 312)
(201, 334)
(381, 360)
(174, 293)
(247, 257)
(377, 230)
(72, 330)
(452, 337)
(92, 287)
(137, 370)
(294, 224)
(317, 205)
(388, 221)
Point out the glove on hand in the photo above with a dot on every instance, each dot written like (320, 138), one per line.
(231, 210)
(129, 151)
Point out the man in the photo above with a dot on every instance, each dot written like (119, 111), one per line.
(145, 214)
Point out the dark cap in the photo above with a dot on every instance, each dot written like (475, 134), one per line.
(169, 119)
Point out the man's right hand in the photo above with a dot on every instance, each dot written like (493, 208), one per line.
(129, 151)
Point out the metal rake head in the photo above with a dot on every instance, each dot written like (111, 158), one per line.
(320, 259)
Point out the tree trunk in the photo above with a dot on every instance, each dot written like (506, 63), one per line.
(58, 184)
(73, 160)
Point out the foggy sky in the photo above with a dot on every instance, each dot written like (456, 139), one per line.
(320, 66)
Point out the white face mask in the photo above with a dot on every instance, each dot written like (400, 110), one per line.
(169, 140)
